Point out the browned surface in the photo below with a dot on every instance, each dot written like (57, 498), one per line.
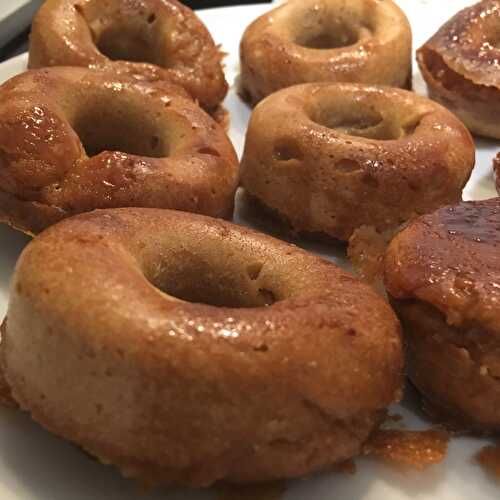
(180, 391)
(364, 41)
(461, 65)
(489, 458)
(496, 170)
(443, 273)
(334, 157)
(418, 449)
(74, 139)
(166, 40)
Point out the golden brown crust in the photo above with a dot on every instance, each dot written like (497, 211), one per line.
(168, 36)
(294, 44)
(334, 157)
(170, 390)
(460, 64)
(443, 273)
(169, 153)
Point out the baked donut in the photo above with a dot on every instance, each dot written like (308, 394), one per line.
(333, 157)
(159, 39)
(460, 64)
(301, 41)
(75, 139)
(187, 349)
(443, 275)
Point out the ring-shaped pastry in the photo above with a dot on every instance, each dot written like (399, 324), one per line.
(76, 139)
(151, 39)
(301, 41)
(188, 349)
(330, 158)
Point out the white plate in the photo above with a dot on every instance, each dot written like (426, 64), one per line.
(37, 465)
(15, 16)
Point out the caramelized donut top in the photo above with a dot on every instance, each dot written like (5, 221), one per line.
(469, 43)
(451, 259)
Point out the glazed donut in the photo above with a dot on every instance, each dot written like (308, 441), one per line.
(187, 349)
(443, 275)
(301, 41)
(460, 64)
(75, 139)
(330, 158)
(160, 39)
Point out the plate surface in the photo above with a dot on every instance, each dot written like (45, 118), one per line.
(37, 465)
(15, 16)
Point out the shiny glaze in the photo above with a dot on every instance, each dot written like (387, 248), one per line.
(479, 223)
(469, 42)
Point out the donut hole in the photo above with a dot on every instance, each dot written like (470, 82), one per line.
(127, 43)
(118, 128)
(328, 37)
(326, 25)
(120, 35)
(357, 119)
(221, 282)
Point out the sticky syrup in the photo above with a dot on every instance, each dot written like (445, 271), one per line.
(417, 449)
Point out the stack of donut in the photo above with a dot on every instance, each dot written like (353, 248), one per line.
(183, 348)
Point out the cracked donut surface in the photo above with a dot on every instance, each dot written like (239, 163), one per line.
(443, 276)
(330, 158)
(187, 349)
(365, 41)
(461, 65)
(149, 39)
(75, 139)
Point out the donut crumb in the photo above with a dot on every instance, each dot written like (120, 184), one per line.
(489, 458)
(417, 449)
(347, 467)
(366, 252)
